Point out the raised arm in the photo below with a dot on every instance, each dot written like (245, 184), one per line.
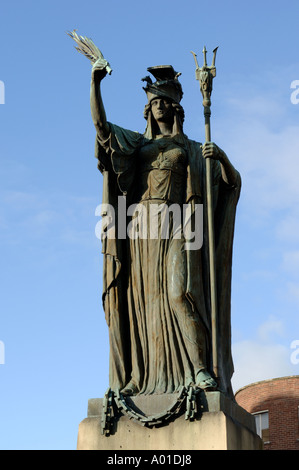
(96, 103)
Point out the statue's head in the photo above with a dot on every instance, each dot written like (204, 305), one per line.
(168, 89)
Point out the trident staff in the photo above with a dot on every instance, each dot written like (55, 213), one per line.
(205, 76)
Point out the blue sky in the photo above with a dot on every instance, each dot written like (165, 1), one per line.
(52, 325)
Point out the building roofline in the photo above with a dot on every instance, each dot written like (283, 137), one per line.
(267, 380)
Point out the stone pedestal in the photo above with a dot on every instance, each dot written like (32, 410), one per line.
(218, 424)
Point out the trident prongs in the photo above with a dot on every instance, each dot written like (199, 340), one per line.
(195, 58)
(214, 56)
(205, 73)
(205, 66)
(204, 51)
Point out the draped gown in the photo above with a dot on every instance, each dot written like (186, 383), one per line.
(156, 293)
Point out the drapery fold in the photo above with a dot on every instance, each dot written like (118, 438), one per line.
(148, 339)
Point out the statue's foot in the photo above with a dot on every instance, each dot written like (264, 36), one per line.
(205, 381)
(130, 389)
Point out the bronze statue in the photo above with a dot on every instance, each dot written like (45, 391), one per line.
(156, 294)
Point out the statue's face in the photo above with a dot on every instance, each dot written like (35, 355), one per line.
(162, 110)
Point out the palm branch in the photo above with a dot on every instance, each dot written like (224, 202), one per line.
(87, 47)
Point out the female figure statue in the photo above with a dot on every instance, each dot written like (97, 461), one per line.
(156, 292)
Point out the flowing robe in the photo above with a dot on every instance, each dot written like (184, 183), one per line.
(118, 162)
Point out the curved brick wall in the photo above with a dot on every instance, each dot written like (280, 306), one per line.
(280, 397)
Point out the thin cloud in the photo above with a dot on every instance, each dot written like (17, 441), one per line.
(263, 357)
(255, 361)
(30, 216)
(290, 262)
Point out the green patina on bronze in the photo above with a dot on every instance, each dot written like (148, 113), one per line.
(159, 297)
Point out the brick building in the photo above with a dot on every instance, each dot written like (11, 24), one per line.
(275, 404)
